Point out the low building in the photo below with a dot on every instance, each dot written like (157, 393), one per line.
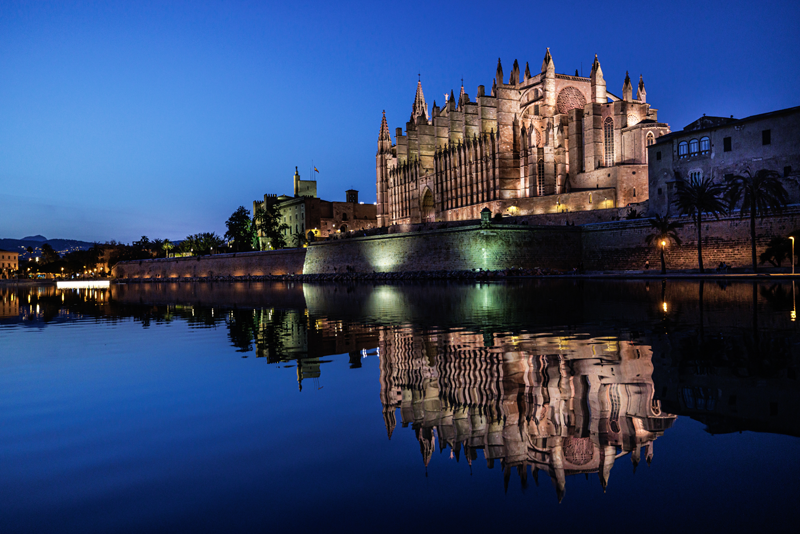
(9, 263)
(310, 218)
(719, 147)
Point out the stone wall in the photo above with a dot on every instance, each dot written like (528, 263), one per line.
(287, 261)
(621, 245)
(498, 247)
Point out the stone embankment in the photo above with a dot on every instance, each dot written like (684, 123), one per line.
(479, 275)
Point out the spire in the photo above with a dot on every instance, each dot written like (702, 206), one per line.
(527, 71)
(514, 80)
(384, 135)
(452, 99)
(499, 76)
(627, 88)
(420, 108)
(462, 96)
(598, 83)
(641, 94)
(547, 63)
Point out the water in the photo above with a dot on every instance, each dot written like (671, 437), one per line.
(538, 404)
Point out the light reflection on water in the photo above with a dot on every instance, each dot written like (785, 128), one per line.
(148, 407)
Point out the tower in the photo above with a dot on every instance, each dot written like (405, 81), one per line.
(382, 168)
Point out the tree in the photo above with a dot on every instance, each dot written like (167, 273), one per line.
(695, 198)
(167, 246)
(200, 244)
(48, 254)
(663, 231)
(267, 219)
(759, 194)
(299, 240)
(241, 230)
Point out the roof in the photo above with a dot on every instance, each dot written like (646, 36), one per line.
(708, 123)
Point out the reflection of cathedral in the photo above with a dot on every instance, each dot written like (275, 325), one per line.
(561, 405)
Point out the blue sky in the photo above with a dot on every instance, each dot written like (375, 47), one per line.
(122, 119)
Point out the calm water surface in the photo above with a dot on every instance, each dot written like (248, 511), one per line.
(274, 407)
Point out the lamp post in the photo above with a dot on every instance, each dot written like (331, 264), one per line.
(663, 262)
(792, 238)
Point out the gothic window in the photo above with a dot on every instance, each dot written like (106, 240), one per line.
(683, 149)
(693, 147)
(650, 138)
(540, 176)
(608, 128)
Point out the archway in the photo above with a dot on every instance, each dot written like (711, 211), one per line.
(343, 229)
(427, 213)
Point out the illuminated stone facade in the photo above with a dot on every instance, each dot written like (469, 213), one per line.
(310, 217)
(9, 263)
(526, 148)
(562, 405)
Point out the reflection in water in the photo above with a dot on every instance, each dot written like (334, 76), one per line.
(559, 376)
(562, 404)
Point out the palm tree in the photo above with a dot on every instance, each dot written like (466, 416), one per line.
(167, 246)
(663, 232)
(759, 194)
(695, 198)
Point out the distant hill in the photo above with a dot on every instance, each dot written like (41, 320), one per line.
(61, 246)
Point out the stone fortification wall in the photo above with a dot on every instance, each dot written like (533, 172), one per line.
(497, 247)
(621, 245)
(288, 261)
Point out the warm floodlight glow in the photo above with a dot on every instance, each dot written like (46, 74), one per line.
(664, 306)
(663, 243)
(83, 284)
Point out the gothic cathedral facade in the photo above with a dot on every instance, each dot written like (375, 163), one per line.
(538, 144)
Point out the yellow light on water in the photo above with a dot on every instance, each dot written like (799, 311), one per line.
(664, 306)
(83, 284)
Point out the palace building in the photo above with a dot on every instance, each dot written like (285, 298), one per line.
(543, 143)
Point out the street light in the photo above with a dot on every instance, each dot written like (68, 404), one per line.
(792, 238)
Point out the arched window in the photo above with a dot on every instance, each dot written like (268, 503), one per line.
(540, 177)
(344, 216)
(694, 147)
(650, 138)
(608, 128)
(683, 149)
(705, 145)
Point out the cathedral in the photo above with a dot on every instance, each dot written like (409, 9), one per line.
(544, 143)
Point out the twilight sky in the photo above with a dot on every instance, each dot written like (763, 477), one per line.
(123, 119)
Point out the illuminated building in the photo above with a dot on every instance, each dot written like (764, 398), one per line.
(541, 143)
(9, 263)
(307, 215)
